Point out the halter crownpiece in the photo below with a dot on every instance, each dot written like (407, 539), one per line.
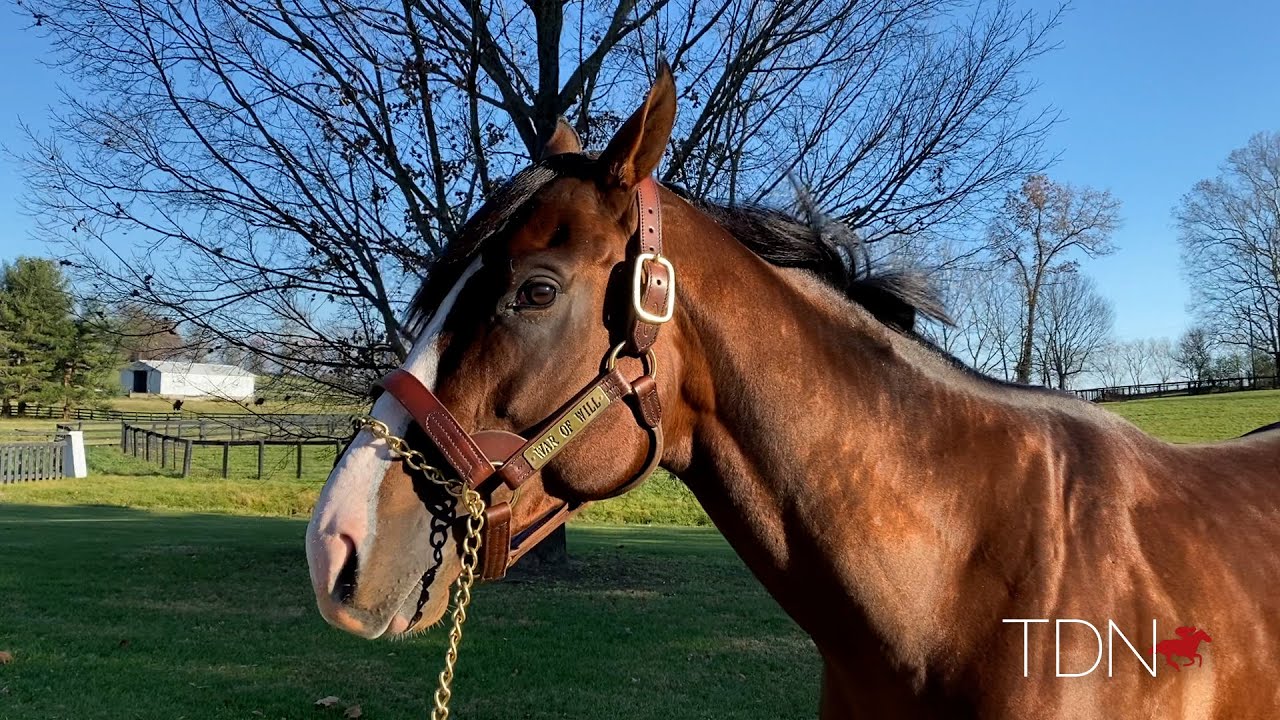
(495, 463)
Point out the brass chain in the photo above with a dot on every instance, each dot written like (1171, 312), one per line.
(411, 457)
(461, 599)
(470, 549)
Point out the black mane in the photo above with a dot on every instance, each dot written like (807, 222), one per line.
(829, 250)
(833, 252)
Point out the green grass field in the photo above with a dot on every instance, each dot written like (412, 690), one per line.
(120, 613)
(1202, 418)
(138, 594)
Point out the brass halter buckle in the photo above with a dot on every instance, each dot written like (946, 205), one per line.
(637, 289)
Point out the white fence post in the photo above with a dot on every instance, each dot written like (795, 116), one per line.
(73, 462)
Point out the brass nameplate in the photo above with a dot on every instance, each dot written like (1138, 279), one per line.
(570, 424)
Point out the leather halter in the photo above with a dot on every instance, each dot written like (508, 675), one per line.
(496, 463)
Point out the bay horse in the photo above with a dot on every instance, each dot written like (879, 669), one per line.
(947, 540)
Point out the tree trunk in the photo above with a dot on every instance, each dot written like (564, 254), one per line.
(1022, 371)
(66, 394)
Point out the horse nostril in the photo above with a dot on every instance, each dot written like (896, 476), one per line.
(344, 585)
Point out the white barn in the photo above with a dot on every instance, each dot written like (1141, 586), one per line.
(185, 379)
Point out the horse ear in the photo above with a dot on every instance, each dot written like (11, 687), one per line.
(564, 139)
(634, 152)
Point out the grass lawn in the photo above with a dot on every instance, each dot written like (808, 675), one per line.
(1202, 418)
(121, 613)
(25, 430)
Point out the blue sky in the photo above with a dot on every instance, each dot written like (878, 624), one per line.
(1153, 96)
(26, 89)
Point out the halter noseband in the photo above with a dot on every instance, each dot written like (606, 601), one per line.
(472, 457)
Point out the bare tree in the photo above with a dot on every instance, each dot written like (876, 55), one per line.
(988, 322)
(1228, 365)
(1230, 233)
(1194, 353)
(980, 299)
(984, 307)
(280, 173)
(1164, 366)
(1110, 365)
(1135, 355)
(996, 326)
(143, 335)
(1074, 324)
(1040, 228)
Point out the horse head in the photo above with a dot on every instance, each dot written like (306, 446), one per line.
(531, 304)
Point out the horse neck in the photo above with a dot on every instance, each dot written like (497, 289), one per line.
(814, 438)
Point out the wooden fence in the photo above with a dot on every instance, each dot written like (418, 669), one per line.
(57, 412)
(95, 432)
(1182, 387)
(25, 461)
(240, 427)
(153, 445)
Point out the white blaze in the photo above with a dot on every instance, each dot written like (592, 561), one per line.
(349, 498)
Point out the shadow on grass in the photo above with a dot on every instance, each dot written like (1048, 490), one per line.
(115, 612)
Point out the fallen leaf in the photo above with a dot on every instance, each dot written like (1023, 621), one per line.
(6, 657)
(259, 713)
(326, 702)
(353, 712)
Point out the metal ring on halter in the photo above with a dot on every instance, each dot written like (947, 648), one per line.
(649, 360)
(515, 495)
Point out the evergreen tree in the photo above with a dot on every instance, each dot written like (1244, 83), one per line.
(85, 372)
(36, 329)
(47, 351)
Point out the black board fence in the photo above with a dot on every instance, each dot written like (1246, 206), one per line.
(1180, 387)
(284, 421)
(57, 412)
(27, 461)
(153, 445)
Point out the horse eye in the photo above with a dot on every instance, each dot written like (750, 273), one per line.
(536, 294)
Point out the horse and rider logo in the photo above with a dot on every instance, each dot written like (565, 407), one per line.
(1186, 645)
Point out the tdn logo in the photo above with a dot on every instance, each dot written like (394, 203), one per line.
(1186, 645)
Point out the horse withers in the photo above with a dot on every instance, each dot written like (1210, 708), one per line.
(947, 540)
